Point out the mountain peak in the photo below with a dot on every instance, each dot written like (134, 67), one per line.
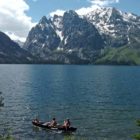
(104, 10)
(45, 23)
(56, 16)
(71, 13)
(44, 20)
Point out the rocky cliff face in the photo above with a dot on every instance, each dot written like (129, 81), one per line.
(116, 26)
(67, 39)
(79, 33)
(42, 38)
(82, 39)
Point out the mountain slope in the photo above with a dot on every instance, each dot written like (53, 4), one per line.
(79, 33)
(10, 52)
(67, 39)
(42, 38)
(83, 39)
(116, 26)
(120, 56)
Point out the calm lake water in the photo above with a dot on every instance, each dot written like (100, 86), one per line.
(103, 102)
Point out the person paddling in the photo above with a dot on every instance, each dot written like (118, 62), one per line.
(53, 123)
(67, 124)
(36, 120)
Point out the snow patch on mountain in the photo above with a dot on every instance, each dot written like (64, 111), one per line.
(110, 21)
(57, 22)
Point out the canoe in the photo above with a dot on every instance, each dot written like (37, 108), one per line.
(57, 128)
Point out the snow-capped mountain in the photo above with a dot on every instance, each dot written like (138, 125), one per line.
(74, 39)
(110, 20)
(64, 38)
(42, 38)
(115, 24)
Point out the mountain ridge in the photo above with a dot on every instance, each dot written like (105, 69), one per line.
(87, 39)
(10, 52)
(72, 32)
(84, 37)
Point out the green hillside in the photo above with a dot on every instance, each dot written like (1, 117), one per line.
(120, 56)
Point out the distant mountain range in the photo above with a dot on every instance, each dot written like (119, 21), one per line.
(103, 36)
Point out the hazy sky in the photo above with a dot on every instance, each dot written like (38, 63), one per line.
(17, 17)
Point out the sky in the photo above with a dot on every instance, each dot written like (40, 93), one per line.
(17, 17)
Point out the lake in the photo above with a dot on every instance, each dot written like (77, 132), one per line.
(103, 102)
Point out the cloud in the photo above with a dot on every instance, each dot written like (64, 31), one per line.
(57, 12)
(13, 19)
(85, 10)
(15, 37)
(103, 2)
(94, 5)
